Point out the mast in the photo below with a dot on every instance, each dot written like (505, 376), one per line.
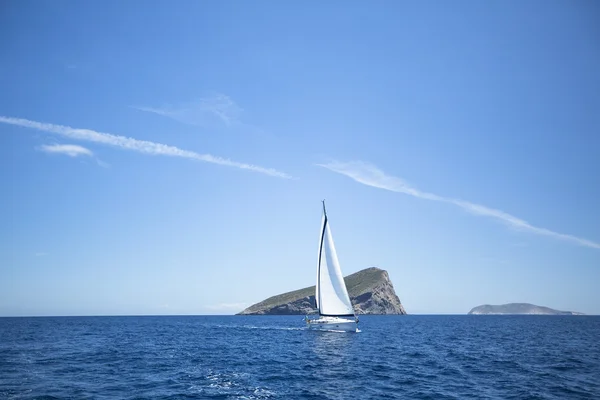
(318, 286)
(331, 286)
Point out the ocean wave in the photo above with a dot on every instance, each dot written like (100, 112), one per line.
(278, 357)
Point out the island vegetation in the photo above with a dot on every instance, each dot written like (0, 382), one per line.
(370, 290)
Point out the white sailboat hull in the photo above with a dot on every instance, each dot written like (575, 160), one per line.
(333, 324)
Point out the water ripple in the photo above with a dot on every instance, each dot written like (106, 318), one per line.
(416, 357)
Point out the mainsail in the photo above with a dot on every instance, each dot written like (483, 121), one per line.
(331, 295)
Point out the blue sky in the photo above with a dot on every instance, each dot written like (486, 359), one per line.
(171, 159)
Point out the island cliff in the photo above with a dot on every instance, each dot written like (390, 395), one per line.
(518, 308)
(370, 291)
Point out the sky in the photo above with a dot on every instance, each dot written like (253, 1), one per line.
(172, 158)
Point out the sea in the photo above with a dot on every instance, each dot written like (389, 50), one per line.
(276, 357)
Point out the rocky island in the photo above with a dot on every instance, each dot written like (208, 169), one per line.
(518, 308)
(370, 291)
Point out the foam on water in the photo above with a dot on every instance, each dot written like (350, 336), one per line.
(282, 328)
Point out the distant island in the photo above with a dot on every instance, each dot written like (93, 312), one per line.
(370, 291)
(518, 308)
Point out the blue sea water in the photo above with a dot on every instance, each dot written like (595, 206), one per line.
(275, 357)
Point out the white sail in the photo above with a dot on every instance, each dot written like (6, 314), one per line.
(332, 296)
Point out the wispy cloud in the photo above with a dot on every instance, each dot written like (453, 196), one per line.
(140, 146)
(71, 150)
(206, 111)
(370, 175)
(227, 306)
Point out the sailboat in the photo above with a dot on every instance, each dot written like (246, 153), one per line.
(331, 295)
